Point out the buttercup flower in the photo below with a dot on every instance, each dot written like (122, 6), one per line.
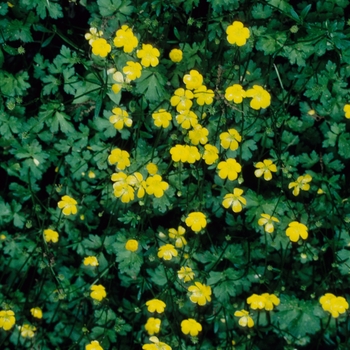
(245, 320)
(167, 252)
(198, 135)
(271, 300)
(91, 175)
(234, 200)
(185, 273)
(132, 70)
(98, 292)
(136, 180)
(153, 325)
(187, 118)
(122, 188)
(179, 153)
(204, 95)
(193, 80)
(51, 236)
(347, 111)
(201, 294)
(265, 168)
(236, 93)
(229, 169)
(230, 139)
(237, 33)
(178, 235)
(149, 55)
(162, 118)
(192, 154)
(152, 168)
(191, 326)
(256, 301)
(68, 205)
(211, 154)
(176, 55)
(93, 35)
(182, 99)
(120, 118)
(27, 330)
(196, 220)
(295, 230)
(94, 345)
(158, 345)
(7, 319)
(333, 304)
(36, 312)
(267, 221)
(155, 305)
(261, 98)
(90, 260)
(155, 186)
(120, 157)
(100, 47)
(302, 183)
(132, 245)
(120, 82)
(126, 39)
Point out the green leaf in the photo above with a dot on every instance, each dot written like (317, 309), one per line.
(261, 11)
(309, 160)
(151, 85)
(59, 121)
(247, 147)
(93, 242)
(344, 145)
(158, 276)
(110, 7)
(5, 212)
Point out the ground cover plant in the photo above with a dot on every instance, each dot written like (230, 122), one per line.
(174, 174)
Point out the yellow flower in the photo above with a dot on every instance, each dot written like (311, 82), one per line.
(91, 174)
(94, 345)
(121, 187)
(176, 55)
(149, 55)
(98, 292)
(196, 220)
(191, 326)
(126, 39)
(51, 236)
(132, 70)
(185, 273)
(179, 153)
(193, 80)
(90, 260)
(36, 312)
(7, 319)
(261, 98)
(264, 168)
(93, 35)
(155, 305)
(167, 252)
(162, 118)
(27, 330)
(192, 154)
(236, 93)
(100, 47)
(68, 205)
(270, 301)
(182, 99)
(155, 186)
(235, 200)
(120, 157)
(210, 154)
(201, 294)
(302, 183)
(230, 139)
(347, 111)
(158, 345)
(204, 96)
(119, 78)
(229, 169)
(267, 221)
(120, 118)
(153, 325)
(237, 33)
(178, 234)
(152, 168)
(335, 305)
(187, 118)
(136, 180)
(245, 320)
(198, 135)
(296, 230)
(256, 301)
(132, 245)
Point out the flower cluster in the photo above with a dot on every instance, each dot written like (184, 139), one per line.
(185, 153)
(333, 304)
